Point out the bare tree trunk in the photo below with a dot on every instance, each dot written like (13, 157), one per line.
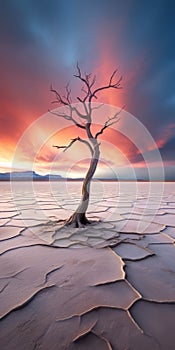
(78, 218)
(84, 121)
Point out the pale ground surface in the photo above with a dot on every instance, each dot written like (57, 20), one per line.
(108, 286)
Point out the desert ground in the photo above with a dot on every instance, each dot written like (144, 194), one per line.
(110, 285)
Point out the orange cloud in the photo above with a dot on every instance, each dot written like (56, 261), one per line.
(168, 132)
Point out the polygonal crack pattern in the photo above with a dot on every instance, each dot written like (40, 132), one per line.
(109, 285)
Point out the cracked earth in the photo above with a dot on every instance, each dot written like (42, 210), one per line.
(110, 285)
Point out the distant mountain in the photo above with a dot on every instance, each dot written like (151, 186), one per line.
(28, 176)
(32, 176)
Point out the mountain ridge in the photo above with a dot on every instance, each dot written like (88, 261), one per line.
(27, 176)
(33, 176)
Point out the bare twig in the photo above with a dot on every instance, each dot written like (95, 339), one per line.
(112, 120)
(66, 101)
(88, 82)
(68, 117)
(68, 94)
(73, 141)
(59, 99)
(97, 107)
(112, 84)
(85, 79)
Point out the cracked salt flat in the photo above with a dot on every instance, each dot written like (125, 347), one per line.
(157, 319)
(114, 275)
(6, 232)
(130, 251)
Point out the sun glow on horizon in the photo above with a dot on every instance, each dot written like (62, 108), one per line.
(118, 151)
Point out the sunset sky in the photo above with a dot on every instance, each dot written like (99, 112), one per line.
(40, 43)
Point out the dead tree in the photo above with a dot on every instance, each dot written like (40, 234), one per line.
(83, 120)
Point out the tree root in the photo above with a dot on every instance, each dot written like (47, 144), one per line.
(78, 220)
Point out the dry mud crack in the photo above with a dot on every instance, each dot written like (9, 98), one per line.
(110, 285)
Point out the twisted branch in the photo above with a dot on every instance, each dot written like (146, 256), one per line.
(88, 82)
(73, 141)
(68, 117)
(66, 101)
(112, 120)
(111, 84)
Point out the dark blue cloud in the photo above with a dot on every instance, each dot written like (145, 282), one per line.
(44, 39)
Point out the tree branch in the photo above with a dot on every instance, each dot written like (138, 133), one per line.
(88, 81)
(68, 117)
(86, 143)
(111, 84)
(75, 109)
(59, 99)
(109, 122)
(66, 101)
(68, 94)
(73, 141)
(97, 107)
(85, 80)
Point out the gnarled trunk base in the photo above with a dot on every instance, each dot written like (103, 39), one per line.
(77, 220)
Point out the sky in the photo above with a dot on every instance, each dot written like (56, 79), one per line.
(40, 44)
